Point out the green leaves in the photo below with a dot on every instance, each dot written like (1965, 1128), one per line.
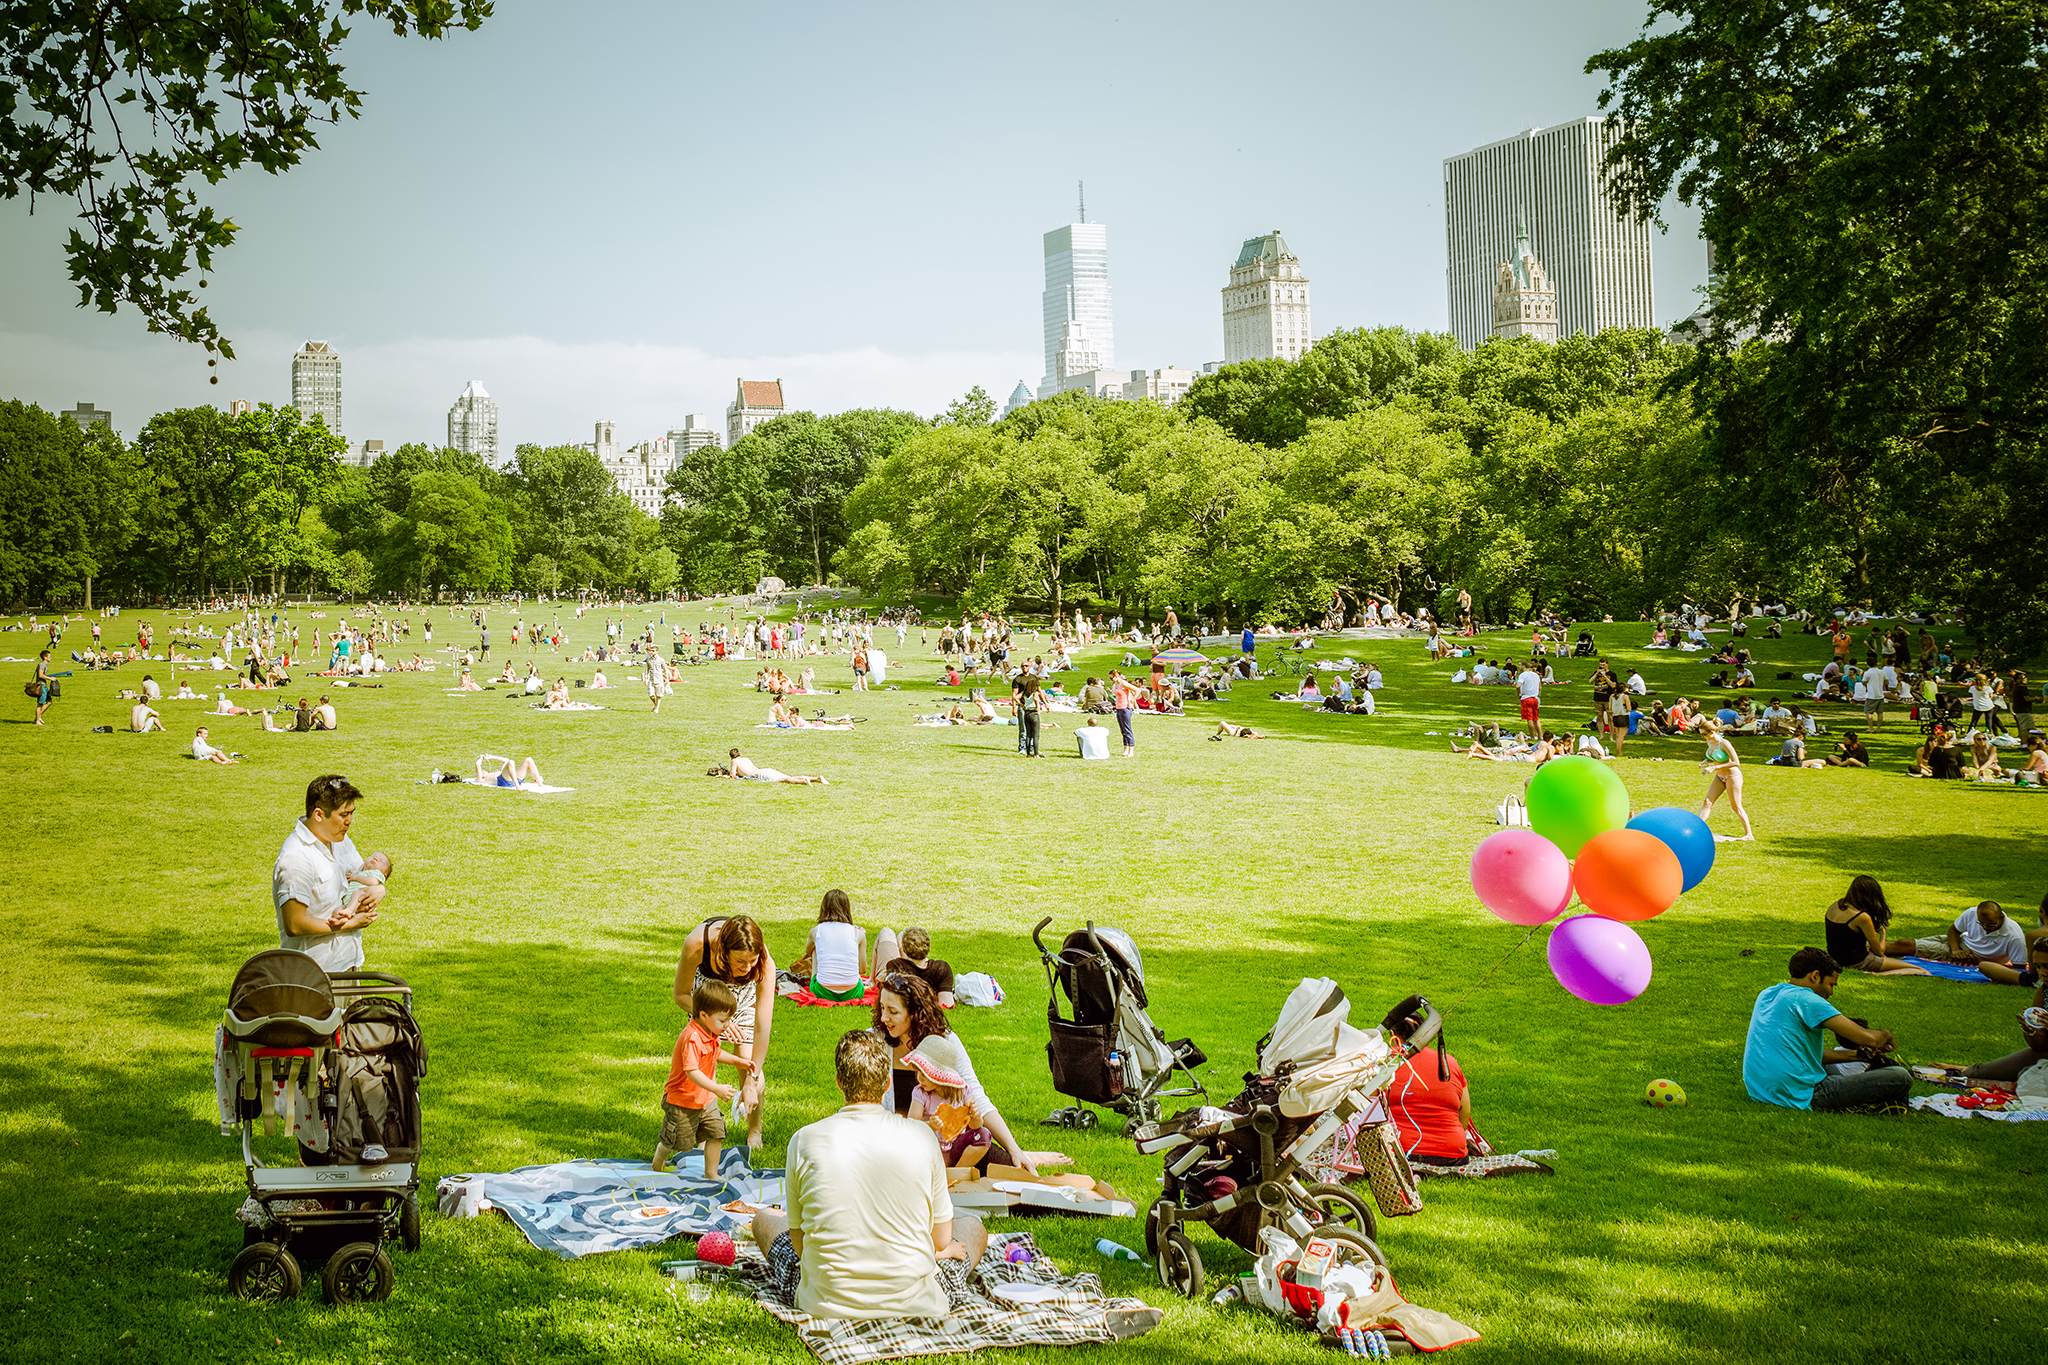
(118, 106)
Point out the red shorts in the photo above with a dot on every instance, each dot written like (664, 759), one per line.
(1529, 705)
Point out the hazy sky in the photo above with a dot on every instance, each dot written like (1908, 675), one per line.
(616, 209)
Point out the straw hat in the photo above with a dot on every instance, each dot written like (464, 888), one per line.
(935, 1072)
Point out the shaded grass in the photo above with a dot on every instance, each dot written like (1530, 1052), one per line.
(542, 935)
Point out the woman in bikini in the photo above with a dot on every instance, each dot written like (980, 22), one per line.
(1724, 771)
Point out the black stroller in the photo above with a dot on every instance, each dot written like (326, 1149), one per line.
(1110, 1053)
(336, 1061)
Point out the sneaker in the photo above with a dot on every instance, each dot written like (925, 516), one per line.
(374, 1153)
(435, 779)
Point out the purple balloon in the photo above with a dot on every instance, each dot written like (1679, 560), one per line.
(1600, 960)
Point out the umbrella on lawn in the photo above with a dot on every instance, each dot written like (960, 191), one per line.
(1180, 656)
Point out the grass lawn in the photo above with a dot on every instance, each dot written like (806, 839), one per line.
(542, 935)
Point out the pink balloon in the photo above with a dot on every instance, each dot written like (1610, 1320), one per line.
(1600, 960)
(1521, 876)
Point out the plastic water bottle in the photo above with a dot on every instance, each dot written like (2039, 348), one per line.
(1116, 1251)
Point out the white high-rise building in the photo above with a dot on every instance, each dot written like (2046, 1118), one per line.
(473, 423)
(695, 433)
(1265, 305)
(1553, 177)
(1077, 290)
(316, 383)
(757, 401)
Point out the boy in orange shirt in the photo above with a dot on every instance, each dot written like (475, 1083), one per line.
(689, 1101)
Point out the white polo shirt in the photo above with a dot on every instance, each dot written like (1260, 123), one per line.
(865, 1188)
(1529, 684)
(316, 875)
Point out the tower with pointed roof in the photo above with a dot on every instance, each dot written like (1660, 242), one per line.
(1020, 397)
(1266, 304)
(473, 423)
(755, 402)
(1524, 299)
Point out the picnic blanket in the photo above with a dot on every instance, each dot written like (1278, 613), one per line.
(572, 706)
(1949, 1106)
(1486, 1167)
(807, 725)
(1026, 1303)
(1951, 971)
(581, 1208)
(802, 996)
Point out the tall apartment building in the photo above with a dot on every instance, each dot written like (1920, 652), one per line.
(1265, 305)
(316, 383)
(1077, 291)
(1554, 180)
(695, 433)
(473, 423)
(758, 401)
(89, 415)
(641, 473)
(1168, 385)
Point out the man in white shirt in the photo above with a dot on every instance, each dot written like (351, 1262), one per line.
(1877, 684)
(1529, 684)
(310, 881)
(1636, 685)
(206, 753)
(1983, 936)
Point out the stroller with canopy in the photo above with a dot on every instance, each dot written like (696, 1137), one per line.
(1247, 1166)
(334, 1063)
(1110, 1053)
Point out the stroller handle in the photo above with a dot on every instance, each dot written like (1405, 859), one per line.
(1036, 930)
(1426, 1032)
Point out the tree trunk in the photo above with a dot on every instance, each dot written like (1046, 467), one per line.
(88, 592)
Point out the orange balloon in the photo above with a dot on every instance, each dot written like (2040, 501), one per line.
(1627, 874)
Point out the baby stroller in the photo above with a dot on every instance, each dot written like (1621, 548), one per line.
(1583, 648)
(334, 1062)
(1110, 1053)
(1246, 1167)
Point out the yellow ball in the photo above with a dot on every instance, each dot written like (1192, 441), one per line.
(1663, 1094)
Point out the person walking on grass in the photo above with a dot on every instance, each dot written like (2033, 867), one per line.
(44, 687)
(1724, 774)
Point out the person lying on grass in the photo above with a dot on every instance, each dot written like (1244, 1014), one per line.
(1984, 937)
(1539, 753)
(1783, 1061)
(745, 769)
(495, 770)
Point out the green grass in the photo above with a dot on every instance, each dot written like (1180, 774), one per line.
(542, 935)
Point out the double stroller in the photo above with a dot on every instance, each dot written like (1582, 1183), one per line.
(1110, 1053)
(1255, 1163)
(333, 1063)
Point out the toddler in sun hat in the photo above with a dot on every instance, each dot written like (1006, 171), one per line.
(939, 1101)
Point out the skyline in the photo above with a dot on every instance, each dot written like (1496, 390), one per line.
(893, 256)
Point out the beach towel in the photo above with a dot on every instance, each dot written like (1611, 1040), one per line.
(538, 788)
(572, 706)
(803, 996)
(1951, 971)
(998, 1303)
(581, 1208)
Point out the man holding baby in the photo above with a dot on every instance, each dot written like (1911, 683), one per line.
(324, 890)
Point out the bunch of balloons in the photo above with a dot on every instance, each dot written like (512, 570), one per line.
(1581, 842)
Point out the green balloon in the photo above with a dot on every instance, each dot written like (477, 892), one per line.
(1571, 799)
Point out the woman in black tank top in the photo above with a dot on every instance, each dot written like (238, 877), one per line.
(1855, 927)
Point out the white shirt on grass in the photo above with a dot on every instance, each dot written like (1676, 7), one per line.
(865, 1188)
(315, 874)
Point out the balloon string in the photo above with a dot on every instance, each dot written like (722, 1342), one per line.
(1460, 1002)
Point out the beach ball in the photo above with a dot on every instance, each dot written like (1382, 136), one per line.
(1663, 1095)
(1573, 798)
(1521, 876)
(717, 1248)
(1627, 874)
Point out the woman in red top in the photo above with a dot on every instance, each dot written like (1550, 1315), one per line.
(1431, 1114)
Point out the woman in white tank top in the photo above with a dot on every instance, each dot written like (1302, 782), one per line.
(837, 949)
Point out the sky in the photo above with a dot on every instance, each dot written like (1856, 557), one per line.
(615, 210)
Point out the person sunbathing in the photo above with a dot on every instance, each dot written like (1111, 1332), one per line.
(495, 770)
(506, 675)
(1225, 730)
(558, 695)
(224, 707)
(745, 769)
(468, 683)
(1539, 753)
(599, 680)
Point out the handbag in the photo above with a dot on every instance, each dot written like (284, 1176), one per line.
(1387, 1172)
(1512, 812)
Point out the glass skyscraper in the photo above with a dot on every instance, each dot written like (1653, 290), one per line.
(1077, 258)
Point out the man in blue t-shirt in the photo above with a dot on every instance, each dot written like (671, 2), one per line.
(1783, 1061)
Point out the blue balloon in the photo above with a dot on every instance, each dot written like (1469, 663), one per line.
(1686, 835)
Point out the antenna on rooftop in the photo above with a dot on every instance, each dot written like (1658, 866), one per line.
(1084, 199)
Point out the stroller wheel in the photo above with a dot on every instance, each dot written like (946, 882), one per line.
(1085, 1118)
(358, 1273)
(265, 1273)
(1180, 1265)
(409, 1223)
(1334, 1205)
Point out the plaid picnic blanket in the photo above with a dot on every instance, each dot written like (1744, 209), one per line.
(1066, 1310)
(1483, 1167)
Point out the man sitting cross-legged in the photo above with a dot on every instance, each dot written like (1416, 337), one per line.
(870, 1231)
(1783, 1061)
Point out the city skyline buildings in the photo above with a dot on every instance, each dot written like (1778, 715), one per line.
(316, 383)
(1551, 182)
(1266, 303)
(1077, 291)
(473, 423)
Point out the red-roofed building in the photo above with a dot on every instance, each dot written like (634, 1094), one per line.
(758, 401)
